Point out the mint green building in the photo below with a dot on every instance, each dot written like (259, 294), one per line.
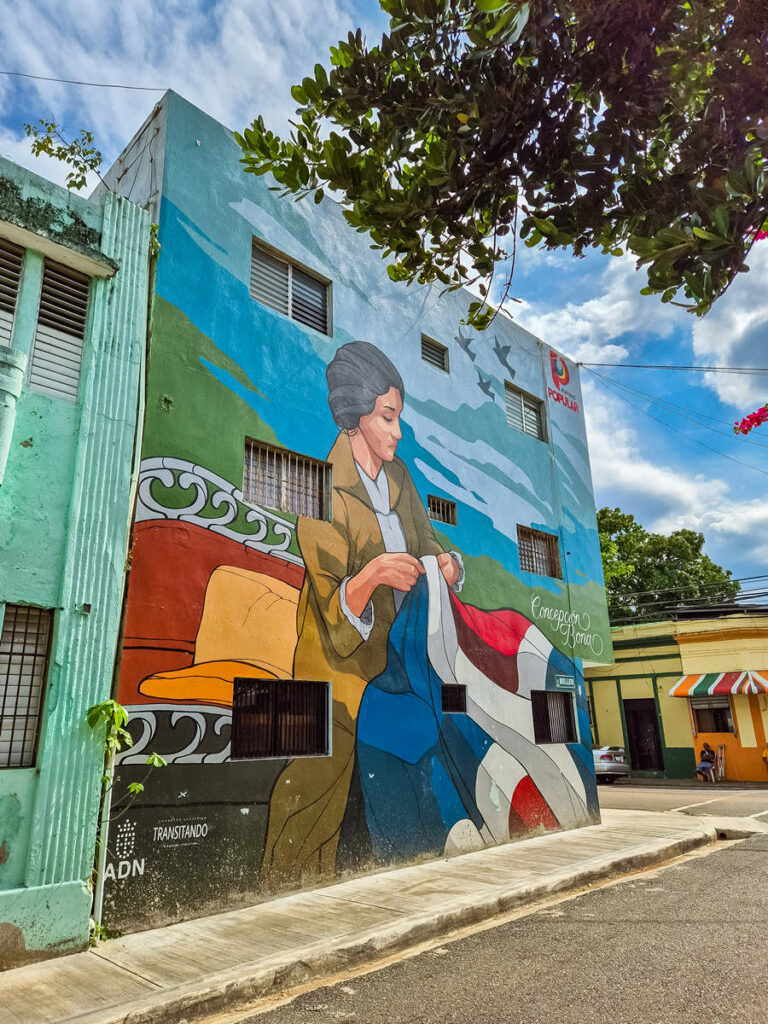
(73, 304)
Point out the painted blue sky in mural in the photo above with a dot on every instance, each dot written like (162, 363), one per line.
(663, 451)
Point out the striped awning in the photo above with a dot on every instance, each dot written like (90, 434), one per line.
(721, 684)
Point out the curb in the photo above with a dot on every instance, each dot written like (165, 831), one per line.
(236, 988)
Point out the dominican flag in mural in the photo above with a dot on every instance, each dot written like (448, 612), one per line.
(454, 782)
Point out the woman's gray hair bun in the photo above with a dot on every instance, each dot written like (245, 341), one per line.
(357, 375)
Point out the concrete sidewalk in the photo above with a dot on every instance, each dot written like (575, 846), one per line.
(216, 963)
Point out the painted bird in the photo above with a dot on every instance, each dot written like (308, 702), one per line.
(485, 385)
(465, 343)
(502, 351)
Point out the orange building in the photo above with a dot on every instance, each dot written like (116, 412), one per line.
(700, 676)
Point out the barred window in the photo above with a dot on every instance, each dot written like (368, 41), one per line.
(524, 412)
(280, 718)
(280, 283)
(57, 350)
(441, 510)
(434, 353)
(553, 719)
(11, 259)
(454, 698)
(279, 479)
(24, 646)
(539, 552)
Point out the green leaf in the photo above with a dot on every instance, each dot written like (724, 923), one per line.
(489, 6)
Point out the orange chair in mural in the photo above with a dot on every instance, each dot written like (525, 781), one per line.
(247, 627)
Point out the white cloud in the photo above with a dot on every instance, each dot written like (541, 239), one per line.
(588, 330)
(233, 58)
(626, 472)
(735, 333)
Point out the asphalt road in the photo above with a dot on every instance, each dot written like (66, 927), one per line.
(680, 945)
(707, 798)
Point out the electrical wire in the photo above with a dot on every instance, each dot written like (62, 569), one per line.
(71, 81)
(759, 371)
(664, 423)
(691, 586)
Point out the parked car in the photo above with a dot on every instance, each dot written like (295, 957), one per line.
(610, 763)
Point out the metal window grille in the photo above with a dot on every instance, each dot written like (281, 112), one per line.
(11, 259)
(539, 552)
(279, 479)
(454, 696)
(280, 718)
(57, 351)
(524, 412)
(284, 286)
(24, 646)
(712, 714)
(434, 353)
(553, 719)
(441, 510)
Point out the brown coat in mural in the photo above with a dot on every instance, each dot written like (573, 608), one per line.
(310, 796)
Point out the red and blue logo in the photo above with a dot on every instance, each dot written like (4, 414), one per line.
(560, 372)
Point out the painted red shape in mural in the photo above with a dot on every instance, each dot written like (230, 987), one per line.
(529, 805)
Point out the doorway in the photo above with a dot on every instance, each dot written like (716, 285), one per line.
(643, 735)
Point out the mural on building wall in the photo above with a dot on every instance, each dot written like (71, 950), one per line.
(387, 606)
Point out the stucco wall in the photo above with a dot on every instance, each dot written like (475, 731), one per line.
(224, 367)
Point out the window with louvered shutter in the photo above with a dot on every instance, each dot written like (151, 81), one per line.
(11, 259)
(280, 718)
(24, 645)
(279, 479)
(279, 283)
(434, 353)
(524, 412)
(553, 720)
(57, 351)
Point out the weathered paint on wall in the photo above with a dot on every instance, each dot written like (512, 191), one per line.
(64, 512)
(219, 588)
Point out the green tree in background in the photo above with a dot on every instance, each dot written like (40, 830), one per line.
(646, 573)
(636, 125)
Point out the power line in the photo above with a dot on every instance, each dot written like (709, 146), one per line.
(71, 81)
(690, 586)
(664, 423)
(758, 370)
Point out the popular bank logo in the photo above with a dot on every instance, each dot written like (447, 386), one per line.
(560, 372)
(561, 376)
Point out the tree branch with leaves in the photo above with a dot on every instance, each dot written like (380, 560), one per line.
(627, 127)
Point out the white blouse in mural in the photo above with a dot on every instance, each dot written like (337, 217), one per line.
(394, 541)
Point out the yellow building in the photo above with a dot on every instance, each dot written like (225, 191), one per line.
(678, 683)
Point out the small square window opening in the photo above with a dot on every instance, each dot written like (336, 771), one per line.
(454, 697)
(435, 354)
(539, 552)
(282, 480)
(553, 718)
(280, 718)
(524, 412)
(441, 510)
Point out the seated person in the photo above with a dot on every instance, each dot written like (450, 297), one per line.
(705, 769)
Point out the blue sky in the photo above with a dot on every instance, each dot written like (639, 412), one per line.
(237, 58)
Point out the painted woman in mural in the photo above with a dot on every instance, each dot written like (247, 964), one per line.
(359, 568)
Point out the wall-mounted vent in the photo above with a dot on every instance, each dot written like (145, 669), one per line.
(279, 479)
(539, 552)
(441, 510)
(280, 718)
(57, 351)
(524, 412)
(278, 282)
(434, 353)
(24, 645)
(553, 720)
(454, 698)
(11, 259)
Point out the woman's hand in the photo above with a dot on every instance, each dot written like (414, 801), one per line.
(449, 567)
(398, 570)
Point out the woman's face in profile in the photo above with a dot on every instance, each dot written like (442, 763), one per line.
(381, 427)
